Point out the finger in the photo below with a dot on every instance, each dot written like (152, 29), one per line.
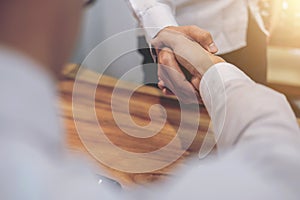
(166, 91)
(173, 78)
(188, 53)
(161, 85)
(164, 39)
(166, 57)
(177, 85)
(195, 81)
(203, 37)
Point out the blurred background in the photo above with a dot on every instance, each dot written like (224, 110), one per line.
(103, 20)
(282, 18)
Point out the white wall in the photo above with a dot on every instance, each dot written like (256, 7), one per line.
(105, 19)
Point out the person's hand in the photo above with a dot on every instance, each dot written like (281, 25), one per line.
(172, 81)
(196, 34)
(175, 49)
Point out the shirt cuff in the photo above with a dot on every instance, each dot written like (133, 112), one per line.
(156, 18)
(213, 83)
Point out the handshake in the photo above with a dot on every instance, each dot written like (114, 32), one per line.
(181, 49)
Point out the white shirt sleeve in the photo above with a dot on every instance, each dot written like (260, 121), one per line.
(258, 140)
(242, 110)
(255, 124)
(153, 15)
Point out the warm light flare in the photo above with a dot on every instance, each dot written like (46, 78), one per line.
(282, 17)
(285, 5)
(293, 5)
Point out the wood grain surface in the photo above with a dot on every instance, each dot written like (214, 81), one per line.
(165, 121)
(107, 115)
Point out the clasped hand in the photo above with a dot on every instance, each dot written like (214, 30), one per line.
(179, 49)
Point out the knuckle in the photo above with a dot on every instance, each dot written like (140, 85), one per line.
(206, 35)
(165, 57)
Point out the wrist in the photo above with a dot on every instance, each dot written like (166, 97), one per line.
(215, 60)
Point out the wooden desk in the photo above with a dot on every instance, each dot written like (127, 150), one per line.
(140, 102)
(142, 99)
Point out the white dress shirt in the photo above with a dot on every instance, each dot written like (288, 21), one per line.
(259, 142)
(226, 20)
